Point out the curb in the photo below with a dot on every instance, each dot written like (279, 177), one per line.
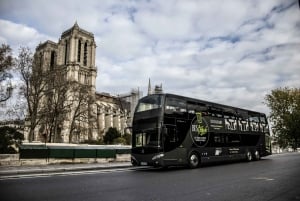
(60, 169)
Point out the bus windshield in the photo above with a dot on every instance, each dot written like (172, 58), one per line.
(147, 138)
(149, 103)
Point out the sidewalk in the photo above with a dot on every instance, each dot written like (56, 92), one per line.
(18, 170)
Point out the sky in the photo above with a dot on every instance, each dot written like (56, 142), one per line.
(231, 52)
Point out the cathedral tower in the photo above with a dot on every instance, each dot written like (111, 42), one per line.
(77, 49)
(71, 62)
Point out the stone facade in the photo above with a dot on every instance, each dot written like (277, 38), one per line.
(89, 114)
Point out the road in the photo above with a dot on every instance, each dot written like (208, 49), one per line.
(275, 178)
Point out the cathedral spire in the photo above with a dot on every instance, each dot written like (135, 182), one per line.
(149, 88)
(76, 25)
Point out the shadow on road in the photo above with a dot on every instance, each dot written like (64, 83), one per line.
(205, 165)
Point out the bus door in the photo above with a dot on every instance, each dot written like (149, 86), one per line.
(182, 130)
(174, 135)
(170, 140)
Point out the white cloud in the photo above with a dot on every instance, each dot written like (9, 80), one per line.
(233, 52)
(122, 40)
(17, 35)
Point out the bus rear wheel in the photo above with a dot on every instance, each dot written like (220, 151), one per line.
(194, 160)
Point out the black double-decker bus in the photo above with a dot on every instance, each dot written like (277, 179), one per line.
(170, 130)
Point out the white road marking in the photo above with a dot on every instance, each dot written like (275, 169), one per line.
(263, 178)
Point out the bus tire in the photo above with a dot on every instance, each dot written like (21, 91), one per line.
(194, 160)
(248, 156)
(256, 155)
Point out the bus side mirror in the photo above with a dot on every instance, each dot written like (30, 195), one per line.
(128, 130)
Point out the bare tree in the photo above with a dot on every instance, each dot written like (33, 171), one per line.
(33, 86)
(50, 96)
(17, 110)
(57, 104)
(6, 63)
(81, 105)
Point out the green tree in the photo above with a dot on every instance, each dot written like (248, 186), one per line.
(111, 135)
(127, 138)
(9, 138)
(124, 139)
(119, 140)
(284, 104)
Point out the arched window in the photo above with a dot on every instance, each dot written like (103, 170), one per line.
(41, 59)
(85, 54)
(66, 52)
(79, 51)
(52, 60)
(86, 79)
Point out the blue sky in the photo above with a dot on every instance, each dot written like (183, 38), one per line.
(232, 52)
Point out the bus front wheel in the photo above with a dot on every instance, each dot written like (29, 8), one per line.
(194, 160)
(249, 156)
(257, 155)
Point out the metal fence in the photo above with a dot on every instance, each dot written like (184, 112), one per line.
(69, 152)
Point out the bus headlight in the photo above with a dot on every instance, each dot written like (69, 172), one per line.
(157, 156)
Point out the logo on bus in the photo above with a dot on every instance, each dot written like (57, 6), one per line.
(199, 130)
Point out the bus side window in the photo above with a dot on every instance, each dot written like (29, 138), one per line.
(230, 122)
(175, 105)
(254, 118)
(254, 121)
(243, 122)
(264, 124)
(263, 119)
(242, 114)
(215, 112)
(193, 108)
(230, 119)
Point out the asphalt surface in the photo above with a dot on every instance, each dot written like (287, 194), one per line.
(15, 171)
(275, 178)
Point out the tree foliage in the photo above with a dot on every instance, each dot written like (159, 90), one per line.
(284, 104)
(6, 63)
(127, 138)
(111, 135)
(9, 138)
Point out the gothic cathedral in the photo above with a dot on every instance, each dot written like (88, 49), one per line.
(72, 62)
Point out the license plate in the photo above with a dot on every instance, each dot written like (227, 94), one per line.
(144, 163)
